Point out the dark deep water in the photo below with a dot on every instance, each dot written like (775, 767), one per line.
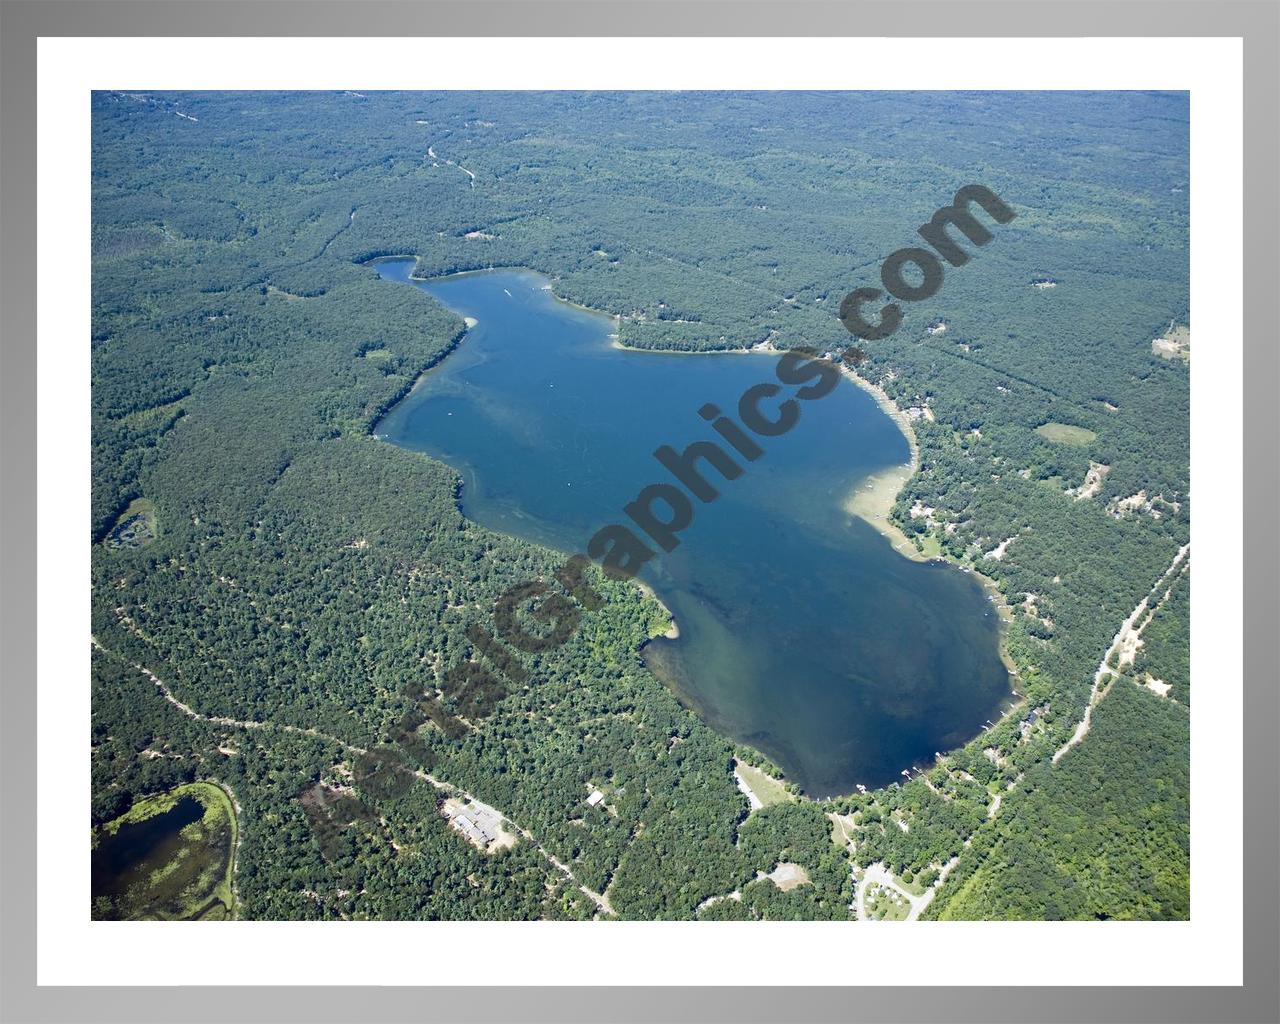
(801, 631)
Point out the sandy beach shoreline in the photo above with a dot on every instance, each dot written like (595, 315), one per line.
(872, 499)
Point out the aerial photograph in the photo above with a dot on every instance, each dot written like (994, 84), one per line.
(682, 506)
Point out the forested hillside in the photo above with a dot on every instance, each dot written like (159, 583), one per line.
(299, 588)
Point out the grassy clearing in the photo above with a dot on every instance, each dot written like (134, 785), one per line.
(930, 546)
(1064, 433)
(883, 904)
(915, 887)
(769, 790)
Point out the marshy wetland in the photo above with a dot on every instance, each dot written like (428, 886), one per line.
(169, 857)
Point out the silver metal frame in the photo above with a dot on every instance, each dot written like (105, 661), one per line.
(21, 23)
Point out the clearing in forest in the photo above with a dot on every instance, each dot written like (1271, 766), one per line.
(1064, 433)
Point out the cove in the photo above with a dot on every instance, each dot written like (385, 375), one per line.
(802, 632)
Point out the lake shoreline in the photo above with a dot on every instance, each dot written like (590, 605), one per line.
(873, 504)
(871, 500)
(673, 631)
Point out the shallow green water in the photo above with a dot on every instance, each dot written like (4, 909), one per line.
(801, 631)
(151, 870)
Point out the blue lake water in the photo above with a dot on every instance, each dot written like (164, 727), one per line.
(802, 632)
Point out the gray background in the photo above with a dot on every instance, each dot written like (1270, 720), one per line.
(1258, 22)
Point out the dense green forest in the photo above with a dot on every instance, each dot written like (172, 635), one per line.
(300, 589)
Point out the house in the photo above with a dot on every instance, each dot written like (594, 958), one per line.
(1028, 723)
(595, 798)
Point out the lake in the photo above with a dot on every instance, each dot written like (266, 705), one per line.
(802, 632)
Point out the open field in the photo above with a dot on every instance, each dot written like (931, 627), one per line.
(766, 788)
(1063, 433)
